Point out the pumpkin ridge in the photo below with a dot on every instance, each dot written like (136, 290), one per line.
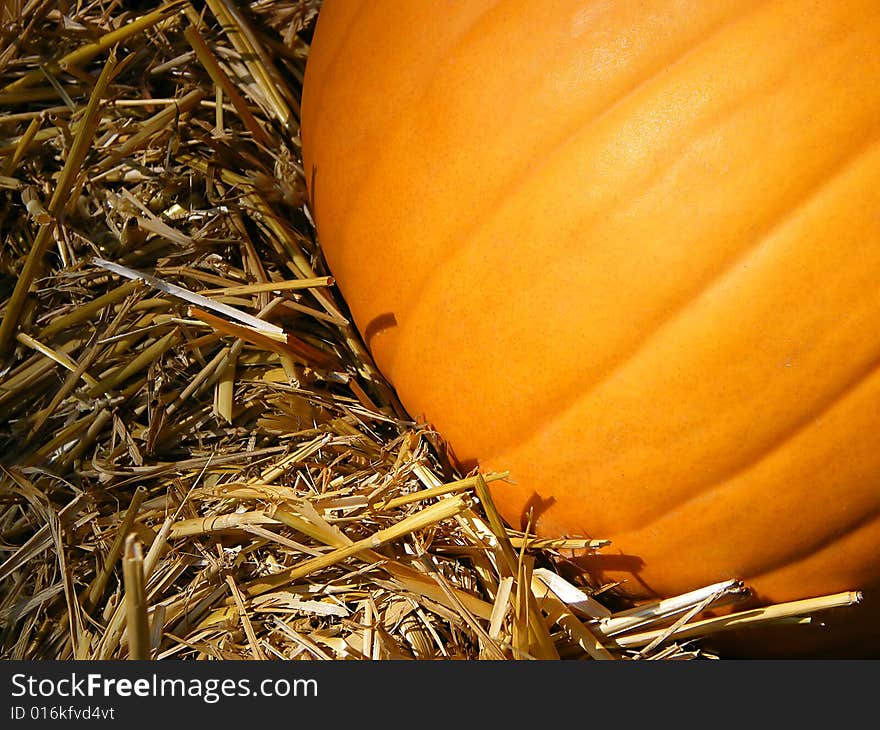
(731, 488)
(861, 377)
(416, 302)
(793, 553)
(514, 179)
(570, 396)
(869, 522)
(792, 558)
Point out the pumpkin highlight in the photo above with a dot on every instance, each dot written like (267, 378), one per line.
(628, 252)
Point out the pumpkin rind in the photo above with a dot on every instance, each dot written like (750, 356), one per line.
(629, 252)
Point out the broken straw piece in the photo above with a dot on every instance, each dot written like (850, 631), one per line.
(198, 300)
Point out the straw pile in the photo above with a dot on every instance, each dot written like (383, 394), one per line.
(197, 457)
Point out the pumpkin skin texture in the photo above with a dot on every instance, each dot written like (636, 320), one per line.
(628, 252)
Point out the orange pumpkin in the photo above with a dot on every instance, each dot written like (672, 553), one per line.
(629, 252)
